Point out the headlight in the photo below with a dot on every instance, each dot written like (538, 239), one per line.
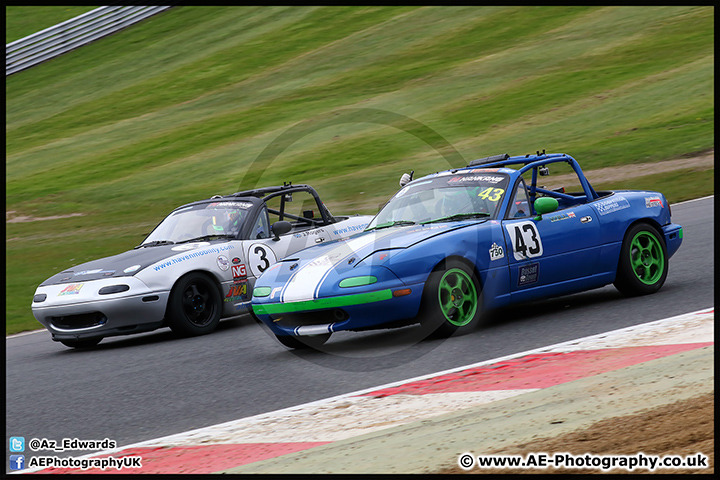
(262, 291)
(113, 289)
(358, 281)
(40, 297)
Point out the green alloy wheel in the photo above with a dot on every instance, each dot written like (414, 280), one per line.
(451, 300)
(457, 296)
(643, 265)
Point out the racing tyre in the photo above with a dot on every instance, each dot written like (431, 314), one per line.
(643, 264)
(194, 306)
(304, 342)
(83, 343)
(451, 301)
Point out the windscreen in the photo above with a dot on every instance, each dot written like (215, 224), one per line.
(202, 221)
(445, 198)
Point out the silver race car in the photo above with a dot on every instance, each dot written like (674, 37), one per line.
(196, 267)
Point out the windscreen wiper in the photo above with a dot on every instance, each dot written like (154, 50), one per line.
(391, 224)
(458, 216)
(155, 243)
(208, 237)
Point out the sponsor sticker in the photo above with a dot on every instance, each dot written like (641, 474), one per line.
(277, 265)
(236, 292)
(318, 231)
(612, 205)
(496, 252)
(243, 205)
(528, 274)
(189, 246)
(562, 216)
(239, 272)
(107, 273)
(477, 178)
(651, 202)
(72, 289)
(223, 263)
(192, 255)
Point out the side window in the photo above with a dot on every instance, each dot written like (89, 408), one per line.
(261, 229)
(520, 206)
(298, 208)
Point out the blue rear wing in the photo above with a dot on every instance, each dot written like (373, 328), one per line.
(534, 163)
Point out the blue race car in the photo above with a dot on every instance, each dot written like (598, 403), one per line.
(452, 244)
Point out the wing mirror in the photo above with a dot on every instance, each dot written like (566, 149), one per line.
(280, 228)
(545, 205)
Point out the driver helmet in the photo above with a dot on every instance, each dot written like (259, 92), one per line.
(457, 200)
(227, 222)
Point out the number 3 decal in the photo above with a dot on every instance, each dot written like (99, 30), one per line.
(260, 258)
(525, 240)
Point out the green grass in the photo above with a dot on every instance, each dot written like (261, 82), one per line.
(179, 106)
(677, 186)
(23, 21)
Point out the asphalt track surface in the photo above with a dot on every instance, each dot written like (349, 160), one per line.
(136, 388)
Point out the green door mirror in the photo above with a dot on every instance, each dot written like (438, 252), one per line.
(545, 205)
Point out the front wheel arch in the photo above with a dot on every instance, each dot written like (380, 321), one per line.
(178, 320)
(431, 316)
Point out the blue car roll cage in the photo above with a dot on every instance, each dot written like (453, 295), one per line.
(534, 163)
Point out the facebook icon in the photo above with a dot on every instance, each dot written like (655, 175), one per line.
(17, 462)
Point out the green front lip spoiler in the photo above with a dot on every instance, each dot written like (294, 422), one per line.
(320, 303)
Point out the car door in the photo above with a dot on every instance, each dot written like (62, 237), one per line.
(299, 208)
(263, 250)
(548, 256)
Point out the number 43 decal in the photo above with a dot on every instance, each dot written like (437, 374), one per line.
(525, 240)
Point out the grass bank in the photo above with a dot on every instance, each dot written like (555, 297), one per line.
(179, 107)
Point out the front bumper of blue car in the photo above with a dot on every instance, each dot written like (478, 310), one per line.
(371, 309)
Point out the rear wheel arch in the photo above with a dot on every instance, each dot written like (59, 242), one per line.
(643, 272)
(650, 221)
